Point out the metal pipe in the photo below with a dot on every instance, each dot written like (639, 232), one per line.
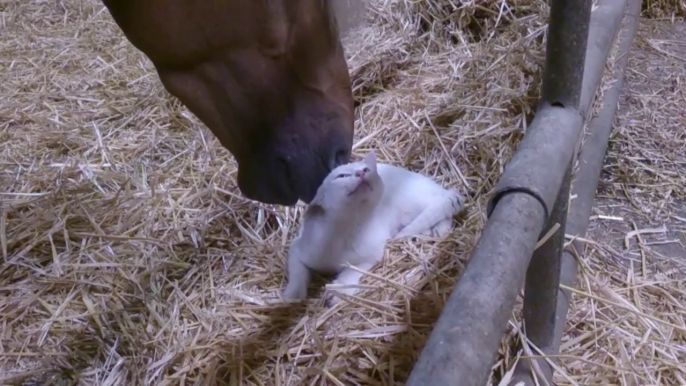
(586, 179)
(538, 166)
(464, 341)
(563, 73)
(605, 22)
(543, 274)
(563, 77)
(541, 287)
(466, 337)
(462, 346)
(592, 155)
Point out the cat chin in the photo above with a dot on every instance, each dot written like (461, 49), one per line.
(362, 186)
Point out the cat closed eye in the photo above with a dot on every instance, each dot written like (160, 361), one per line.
(342, 175)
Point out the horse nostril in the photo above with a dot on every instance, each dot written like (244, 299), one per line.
(340, 157)
(284, 167)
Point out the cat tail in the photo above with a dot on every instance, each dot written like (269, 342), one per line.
(429, 221)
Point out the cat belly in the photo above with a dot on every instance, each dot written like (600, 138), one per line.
(325, 259)
(328, 264)
(323, 264)
(333, 260)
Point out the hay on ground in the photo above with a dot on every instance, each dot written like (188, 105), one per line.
(131, 258)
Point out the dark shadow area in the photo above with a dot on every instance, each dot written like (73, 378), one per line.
(424, 310)
(249, 352)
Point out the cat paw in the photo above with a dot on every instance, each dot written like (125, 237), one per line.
(401, 235)
(331, 301)
(438, 231)
(332, 298)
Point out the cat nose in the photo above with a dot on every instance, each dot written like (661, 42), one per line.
(359, 173)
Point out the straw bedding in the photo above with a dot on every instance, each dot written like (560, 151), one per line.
(131, 258)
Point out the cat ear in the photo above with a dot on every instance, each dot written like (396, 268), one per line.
(370, 159)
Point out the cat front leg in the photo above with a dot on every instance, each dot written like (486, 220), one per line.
(299, 277)
(348, 279)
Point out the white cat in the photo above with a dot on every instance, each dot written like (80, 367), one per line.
(357, 209)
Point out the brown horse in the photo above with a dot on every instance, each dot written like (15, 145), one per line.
(268, 77)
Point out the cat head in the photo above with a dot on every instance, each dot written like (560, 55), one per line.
(356, 183)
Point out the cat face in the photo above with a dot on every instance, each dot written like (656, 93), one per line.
(356, 182)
